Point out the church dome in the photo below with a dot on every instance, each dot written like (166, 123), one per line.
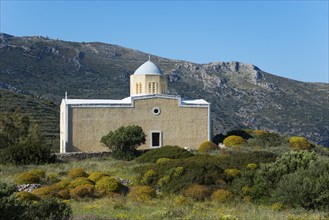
(148, 68)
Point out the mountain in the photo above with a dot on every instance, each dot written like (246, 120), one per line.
(241, 95)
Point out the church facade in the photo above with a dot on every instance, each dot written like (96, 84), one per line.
(165, 119)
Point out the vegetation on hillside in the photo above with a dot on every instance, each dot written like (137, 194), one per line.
(242, 95)
(224, 185)
(21, 142)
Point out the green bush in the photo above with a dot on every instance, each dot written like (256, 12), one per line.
(80, 181)
(11, 207)
(233, 140)
(148, 177)
(26, 196)
(268, 139)
(268, 175)
(141, 193)
(7, 189)
(207, 147)
(62, 184)
(39, 172)
(82, 191)
(26, 154)
(221, 195)
(163, 181)
(121, 154)
(163, 160)
(252, 166)
(124, 141)
(97, 176)
(64, 194)
(44, 192)
(300, 143)
(108, 184)
(77, 172)
(307, 187)
(232, 173)
(48, 209)
(197, 192)
(172, 152)
(201, 169)
(27, 178)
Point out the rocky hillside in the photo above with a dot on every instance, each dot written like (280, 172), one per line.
(242, 95)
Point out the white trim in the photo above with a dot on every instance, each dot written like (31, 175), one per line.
(209, 124)
(66, 128)
(160, 138)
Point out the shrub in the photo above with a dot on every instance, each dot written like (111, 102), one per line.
(62, 184)
(148, 177)
(108, 184)
(163, 160)
(27, 196)
(172, 152)
(80, 181)
(52, 178)
(64, 194)
(268, 139)
(307, 187)
(163, 181)
(22, 154)
(11, 207)
(124, 141)
(268, 175)
(49, 209)
(141, 193)
(221, 195)
(232, 172)
(7, 189)
(251, 166)
(201, 169)
(82, 191)
(207, 146)
(44, 192)
(233, 140)
(96, 176)
(27, 178)
(299, 143)
(40, 173)
(228, 217)
(197, 192)
(259, 132)
(120, 154)
(181, 200)
(177, 171)
(278, 206)
(77, 172)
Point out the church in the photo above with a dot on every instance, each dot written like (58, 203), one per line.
(165, 119)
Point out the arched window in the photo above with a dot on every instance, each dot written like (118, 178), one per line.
(140, 88)
(153, 88)
(150, 88)
(137, 88)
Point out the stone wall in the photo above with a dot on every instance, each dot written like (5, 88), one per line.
(81, 155)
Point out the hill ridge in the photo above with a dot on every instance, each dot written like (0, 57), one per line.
(242, 95)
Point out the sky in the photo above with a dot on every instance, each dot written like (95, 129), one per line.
(284, 38)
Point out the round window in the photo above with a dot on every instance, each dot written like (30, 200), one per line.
(156, 111)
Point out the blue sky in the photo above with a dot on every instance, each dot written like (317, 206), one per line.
(285, 38)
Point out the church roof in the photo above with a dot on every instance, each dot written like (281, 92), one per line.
(148, 68)
(130, 101)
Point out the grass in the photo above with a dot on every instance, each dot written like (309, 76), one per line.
(122, 169)
(162, 207)
(167, 208)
